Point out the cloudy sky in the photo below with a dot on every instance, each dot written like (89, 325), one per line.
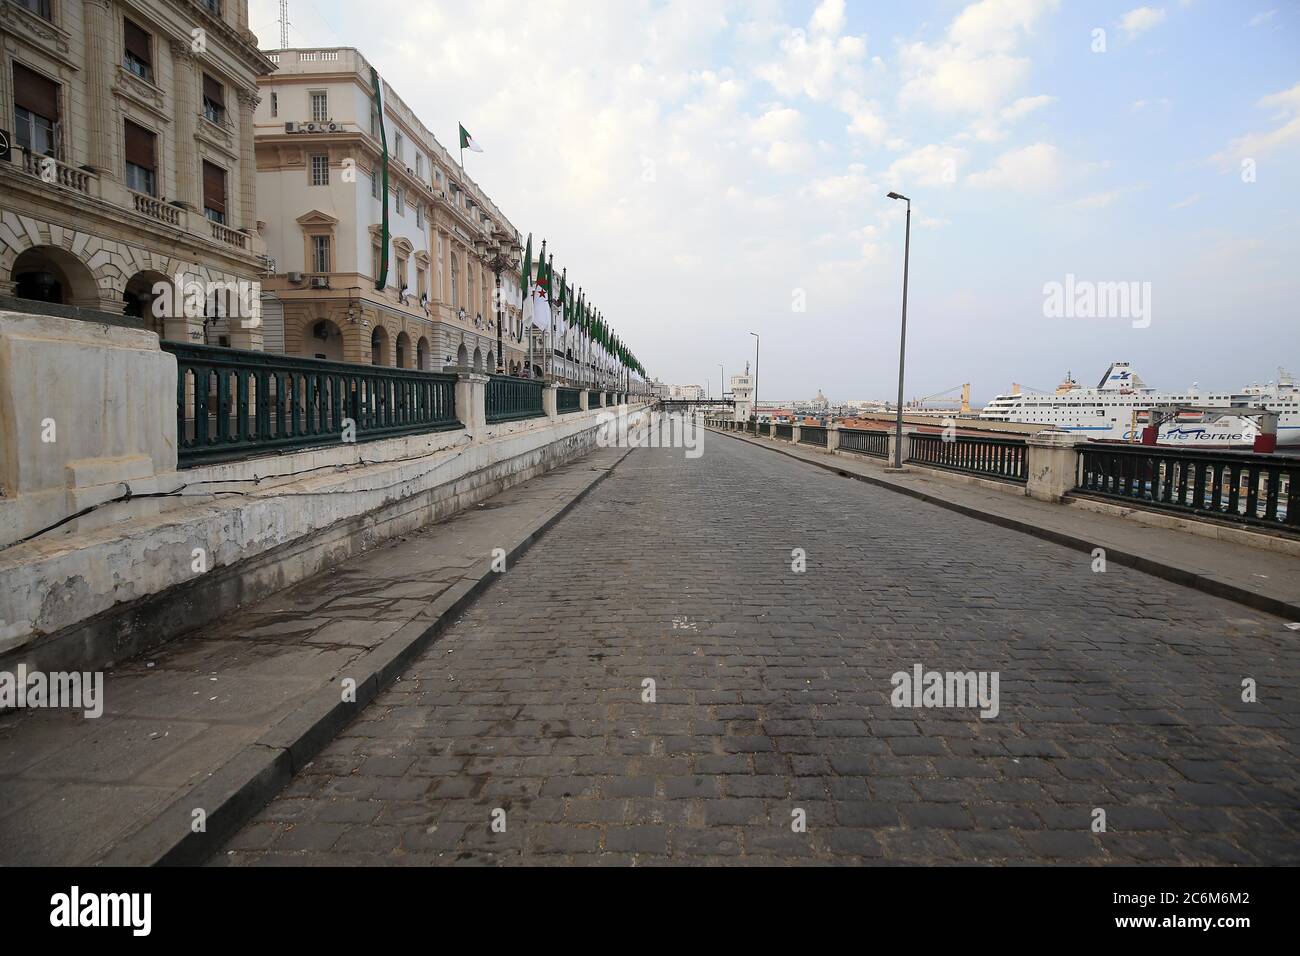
(705, 168)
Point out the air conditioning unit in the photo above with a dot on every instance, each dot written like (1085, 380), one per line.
(292, 127)
(320, 282)
(334, 127)
(313, 127)
(294, 277)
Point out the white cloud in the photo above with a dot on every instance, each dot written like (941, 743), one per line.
(1030, 169)
(1260, 19)
(1191, 200)
(1098, 200)
(852, 187)
(817, 62)
(1286, 107)
(932, 165)
(777, 123)
(1159, 103)
(1026, 105)
(975, 69)
(1140, 20)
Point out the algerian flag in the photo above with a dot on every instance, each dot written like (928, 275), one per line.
(381, 280)
(541, 295)
(468, 142)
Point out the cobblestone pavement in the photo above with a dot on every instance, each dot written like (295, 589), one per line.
(1118, 692)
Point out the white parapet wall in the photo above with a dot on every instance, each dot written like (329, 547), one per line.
(134, 573)
(86, 409)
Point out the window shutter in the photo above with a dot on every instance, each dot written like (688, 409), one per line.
(137, 42)
(35, 93)
(139, 146)
(213, 91)
(214, 187)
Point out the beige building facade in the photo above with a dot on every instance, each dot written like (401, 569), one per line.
(320, 188)
(131, 124)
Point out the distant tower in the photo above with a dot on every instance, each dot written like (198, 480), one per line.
(742, 390)
(284, 24)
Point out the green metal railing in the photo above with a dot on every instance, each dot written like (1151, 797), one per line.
(510, 398)
(988, 457)
(865, 442)
(593, 398)
(568, 400)
(812, 435)
(1254, 489)
(783, 431)
(233, 404)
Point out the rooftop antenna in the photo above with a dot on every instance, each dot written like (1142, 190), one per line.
(284, 24)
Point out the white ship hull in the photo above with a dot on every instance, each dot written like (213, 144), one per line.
(1116, 410)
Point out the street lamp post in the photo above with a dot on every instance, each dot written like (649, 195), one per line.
(497, 256)
(722, 391)
(756, 341)
(902, 339)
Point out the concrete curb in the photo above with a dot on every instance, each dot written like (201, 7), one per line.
(1159, 569)
(234, 793)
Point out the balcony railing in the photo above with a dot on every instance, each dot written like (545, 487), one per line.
(58, 173)
(1252, 489)
(156, 209)
(232, 403)
(783, 431)
(987, 457)
(865, 442)
(509, 398)
(568, 400)
(232, 237)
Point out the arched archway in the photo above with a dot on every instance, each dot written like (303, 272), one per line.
(422, 354)
(403, 350)
(52, 274)
(379, 346)
(323, 341)
(151, 296)
(462, 356)
(491, 362)
(478, 359)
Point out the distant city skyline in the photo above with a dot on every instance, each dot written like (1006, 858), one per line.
(710, 168)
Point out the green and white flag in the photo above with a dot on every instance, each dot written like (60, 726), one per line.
(469, 142)
(381, 280)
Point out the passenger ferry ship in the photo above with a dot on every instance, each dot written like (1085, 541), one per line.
(1117, 409)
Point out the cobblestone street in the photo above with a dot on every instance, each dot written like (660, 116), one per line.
(1118, 692)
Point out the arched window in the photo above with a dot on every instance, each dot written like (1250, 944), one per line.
(455, 280)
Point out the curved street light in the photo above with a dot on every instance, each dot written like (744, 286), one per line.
(902, 339)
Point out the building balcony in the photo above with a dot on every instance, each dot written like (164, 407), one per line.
(55, 172)
(87, 194)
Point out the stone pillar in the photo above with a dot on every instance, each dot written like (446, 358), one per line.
(248, 101)
(893, 442)
(550, 394)
(471, 401)
(99, 66)
(795, 432)
(832, 437)
(584, 399)
(1052, 464)
(184, 69)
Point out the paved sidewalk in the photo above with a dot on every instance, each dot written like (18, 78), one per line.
(76, 791)
(1266, 580)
